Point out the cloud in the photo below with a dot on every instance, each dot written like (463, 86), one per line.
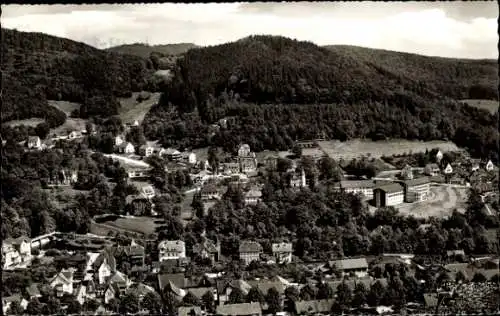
(450, 29)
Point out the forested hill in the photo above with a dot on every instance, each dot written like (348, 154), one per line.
(38, 67)
(279, 89)
(145, 50)
(459, 78)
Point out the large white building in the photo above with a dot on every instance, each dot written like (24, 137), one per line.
(417, 190)
(389, 195)
(171, 249)
(363, 187)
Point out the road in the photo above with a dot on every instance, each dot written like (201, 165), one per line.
(131, 161)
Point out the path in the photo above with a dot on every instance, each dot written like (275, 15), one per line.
(131, 161)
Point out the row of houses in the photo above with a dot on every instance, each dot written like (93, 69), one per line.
(212, 192)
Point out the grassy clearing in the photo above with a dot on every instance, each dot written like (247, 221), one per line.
(33, 122)
(490, 105)
(142, 225)
(65, 106)
(357, 148)
(131, 110)
(186, 209)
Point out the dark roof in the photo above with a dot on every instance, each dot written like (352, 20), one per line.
(265, 285)
(347, 264)
(105, 255)
(315, 306)
(239, 284)
(239, 309)
(417, 181)
(200, 291)
(250, 246)
(134, 250)
(430, 299)
(178, 279)
(357, 184)
(390, 188)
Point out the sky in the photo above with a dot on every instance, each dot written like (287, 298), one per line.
(448, 29)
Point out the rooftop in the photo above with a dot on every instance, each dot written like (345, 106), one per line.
(417, 181)
(250, 246)
(391, 188)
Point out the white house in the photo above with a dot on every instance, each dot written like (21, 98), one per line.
(126, 148)
(119, 140)
(282, 252)
(16, 251)
(189, 157)
(34, 142)
(448, 169)
(244, 151)
(148, 191)
(75, 135)
(146, 150)
(171, 249)
(8, 300)
(63, 282)
(253, 197)
(439, 156)
(490, 166)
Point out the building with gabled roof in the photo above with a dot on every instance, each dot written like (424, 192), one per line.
(208, 249)
(253, 196)
(282, 252)
(407, 173)
(313, 307)
(250, 251)
(358, 266)
(431, 169)
(126, 148)
(171, 249)
(34, 142)
(62, 282)
(448, 169)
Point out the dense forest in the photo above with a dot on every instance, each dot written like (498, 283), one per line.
(278, 90)
(145, 50)
(37, 67)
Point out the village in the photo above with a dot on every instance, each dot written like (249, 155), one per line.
(102, 273)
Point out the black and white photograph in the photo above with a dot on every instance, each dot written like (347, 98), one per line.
(250, 158)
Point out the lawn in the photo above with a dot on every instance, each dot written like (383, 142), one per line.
(186, 209)
(357, 148)
(490, 105)
(441, 203)
(33, 122)
(131, 110)
(65, 106)
(142, 225)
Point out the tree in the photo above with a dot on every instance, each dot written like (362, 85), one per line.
(255, 295)
(208, 301)
(197, 205)
(129, 303)
(34, 307)
(152, 302)
(324, 291)
(213, 158)
(329, 169)
(42, 130)
(273, 301)
(307, 293)
(376, 293)
(15, 308)
(191, 300)
(297, 150)
(344, 297)
(479, 277)
(74, 307)
(360, 295)
(237, 296)
(170, 304)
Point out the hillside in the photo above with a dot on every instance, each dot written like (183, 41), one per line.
(458, 78)
(265, 81)
(38, 67)
(145, 50)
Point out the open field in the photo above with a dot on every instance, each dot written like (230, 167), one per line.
(141, 225)
(33, 122)
(490, 105)
(442, 201)
(65, 106)
(357, 148)
(131, 110)
(186, 209)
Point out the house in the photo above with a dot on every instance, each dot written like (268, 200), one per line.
(225, 287)
(121, 281)
(177, 279)
(189, 157)
(34, 142)
(135, 254)
(439, 156)
(363, 187)
(490, 166)
(431, 169)
(146, 150)
(250, 251)
(189, 311)
(416, 190)
(63, 282)
(16, 251)
(33, 291)
(8, 300)
(80, 293)
(252, 197)
(172, 154)
(103, 266)
(248, 164)
(175, 290)
(171, 249)
(199, 292)
(75, 135)
(119, 140)
(126, 148)
(112, 291)
(448, 169)
(231, 168)
(453, 253)
(388, 195)
(148, 191)
(356, 266)
(313, 307)
(244, 150)
(298, 180)
(264, 285)
(208, 249)
(244, 309)
(137, 173)
(282, 252)
(407, 173)
(210, 192)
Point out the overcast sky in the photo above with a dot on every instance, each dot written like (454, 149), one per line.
(450, 29)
